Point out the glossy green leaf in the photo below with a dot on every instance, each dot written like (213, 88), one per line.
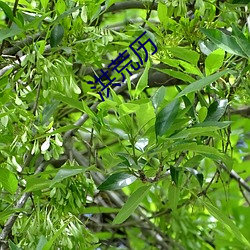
(143, 81)
(198, 175)
(158, 97)
(216, 110)
(166, 117)
(198, 85)
(173, 196)
(227, 223)
(8, 180)
(214, 61)
(131, 204)
(56, 35)
(117, 181)
(223, 41)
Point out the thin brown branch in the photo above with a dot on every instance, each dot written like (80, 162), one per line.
(235, 176)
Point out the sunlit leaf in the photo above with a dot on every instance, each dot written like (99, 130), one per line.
(199, 84)
(131, 204)
(143, 81)
(8, 180)
(214, 61)
(173, 196)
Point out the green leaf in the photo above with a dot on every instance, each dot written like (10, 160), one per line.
(56, 35)
(166, 117)
(173, 196)
(186, 54)
(128, 108)
(214, 61)
(143, 81)
(174, 172)
(158, 97)
(219, 125)
(198, 85)
(162, 12)
(44, 3)
(132, 203)
(9, 32)
(198, 175)
(9, 211)
(49, 110)
(70, 101)
(33, 183)
(7, 10)
(49, 244)
(13, 246)
(193, 132)
(8, 180)
(98, 210)
(177, 74)
(227, 223)
(216, 110)
(202, 114)
(66, 172)
(41, 243)
(68, 12)
(223, 41)
(117, 181)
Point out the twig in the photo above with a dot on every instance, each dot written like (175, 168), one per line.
(148, 13)
(236, 177)
(21, 44)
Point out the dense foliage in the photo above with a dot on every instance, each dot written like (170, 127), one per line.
(162, 162)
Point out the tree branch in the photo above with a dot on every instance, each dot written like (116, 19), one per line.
(236, 177)
(20, 203)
